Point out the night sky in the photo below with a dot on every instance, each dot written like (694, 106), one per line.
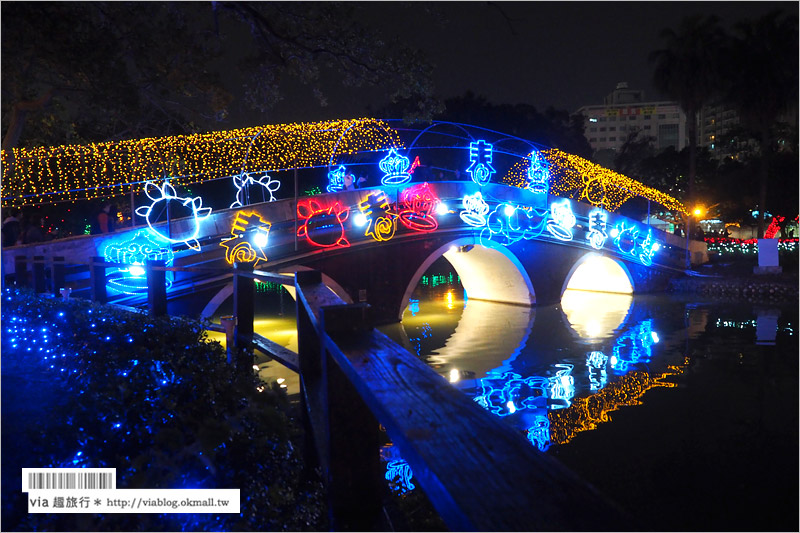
(560, 54)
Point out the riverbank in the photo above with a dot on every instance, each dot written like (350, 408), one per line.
(736, 279)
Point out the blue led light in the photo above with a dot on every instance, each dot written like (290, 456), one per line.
(597, 234)
(507, 393)
(395, 169)
(561, 220)
(399, 474)
(508, 224)
(135, 252)
(480, 157)
(336, 179)
(538, 174)
(539, 432)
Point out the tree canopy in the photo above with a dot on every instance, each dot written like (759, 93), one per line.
(96, 71)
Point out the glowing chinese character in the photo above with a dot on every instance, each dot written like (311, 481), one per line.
(597, 229)
(249, 236)
(381, 222)
(480, 156)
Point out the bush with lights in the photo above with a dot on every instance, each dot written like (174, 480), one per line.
(153, 398)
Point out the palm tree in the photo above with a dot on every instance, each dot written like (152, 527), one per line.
(686, 70)
(761, 83)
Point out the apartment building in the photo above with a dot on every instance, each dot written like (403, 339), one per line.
(625, 111)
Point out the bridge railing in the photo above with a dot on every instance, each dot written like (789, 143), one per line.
(478, 472)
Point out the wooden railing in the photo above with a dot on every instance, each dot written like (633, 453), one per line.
(478, 472)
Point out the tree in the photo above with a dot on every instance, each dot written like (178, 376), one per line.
(686, 70)
(761, 83)
(95, 71)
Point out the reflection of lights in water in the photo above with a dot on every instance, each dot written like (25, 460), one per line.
(596, 365)
(449, 299)
(507, 393)
(539, 432)
(635, 346)
(595, 315)
(587, 413)
(454, 375)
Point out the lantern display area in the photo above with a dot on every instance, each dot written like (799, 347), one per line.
(256, 195)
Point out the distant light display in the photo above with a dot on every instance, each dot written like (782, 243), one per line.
(246, 183)
(249, 237)
(574, 177)
(480, 157)
(99, 170)
(161, 196)
(395, 169)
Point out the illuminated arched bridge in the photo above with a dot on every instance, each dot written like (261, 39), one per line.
(520, 239)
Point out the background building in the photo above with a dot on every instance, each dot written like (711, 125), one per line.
(625, 111)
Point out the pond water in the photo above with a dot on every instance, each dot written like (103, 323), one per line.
(683, 411)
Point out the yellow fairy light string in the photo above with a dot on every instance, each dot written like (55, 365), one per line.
(572, 176)
(51, 174)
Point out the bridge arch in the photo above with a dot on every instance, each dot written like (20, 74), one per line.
(491, 273)
(599, 273)
(227, 291)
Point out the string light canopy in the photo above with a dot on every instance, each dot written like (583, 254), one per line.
(32, 176)
(574, 177)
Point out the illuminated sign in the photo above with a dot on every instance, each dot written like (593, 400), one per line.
(249, 236)
(395, 169)
(597, 234)
(322, 227)
(512, 223)
(244, 182)
(419, 204)
(475, 210)
(538, 174)
(480, 157)
(336, 179)
(135, 252)
(626, 238)
(561, 220)
(381, 222)
(161, 196)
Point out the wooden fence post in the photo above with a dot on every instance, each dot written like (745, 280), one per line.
(97, 275)
(156, 287)
(21, 271)
(309, 351)
(38, 274)
(244, 310)
(354, 478)
(58, 275)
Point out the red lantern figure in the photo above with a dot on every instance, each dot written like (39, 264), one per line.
(419, 204)
(323, 227)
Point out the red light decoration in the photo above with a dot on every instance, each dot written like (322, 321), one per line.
(323, 227)
(419, 203)
(773, 227)
(414, 165)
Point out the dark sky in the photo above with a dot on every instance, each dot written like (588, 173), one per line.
(560, 54)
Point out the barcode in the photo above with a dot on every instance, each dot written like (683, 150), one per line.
(69, 479)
